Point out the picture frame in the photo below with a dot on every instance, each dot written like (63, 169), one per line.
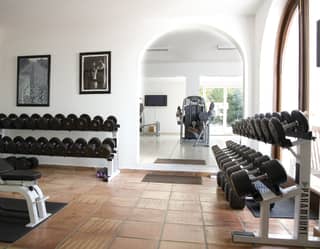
(33, 80)
(95, 72)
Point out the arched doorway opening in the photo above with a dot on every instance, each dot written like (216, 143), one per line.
(181, 63)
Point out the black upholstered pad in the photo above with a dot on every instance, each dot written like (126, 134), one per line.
(5, 167)
(21, 175)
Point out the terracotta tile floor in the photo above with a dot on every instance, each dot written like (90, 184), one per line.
(127, 213)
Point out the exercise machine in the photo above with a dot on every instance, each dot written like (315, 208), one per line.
(25, 183)
(194, 120)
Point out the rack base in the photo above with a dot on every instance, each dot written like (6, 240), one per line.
(274, 239)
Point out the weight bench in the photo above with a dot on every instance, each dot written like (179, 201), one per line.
(25, 183)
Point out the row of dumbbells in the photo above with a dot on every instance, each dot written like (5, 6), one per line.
(22, 163)
(246, 173)
(56, 147)
(58, 122)
(273, 127)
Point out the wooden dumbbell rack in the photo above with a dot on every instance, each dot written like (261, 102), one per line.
(301, 194)
(112, 163)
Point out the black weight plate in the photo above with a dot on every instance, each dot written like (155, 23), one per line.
(109, 125)
(99, 119)
(96, 141)
(47, 116)
(275, 172)
(265, 130)
(257, 124)
(42, 140)
(277, 115)
(81, 141)
(60, 116)
(241, 183)
(86, 117)
(113, 118)
(235, 202)
(81, 124)
(35, 116)
(285, 117)
(277, 131)
(67, 141)
(18, 139)
(12, 116)
(300, 118)
(110, 142)
(72, 116)
(30, 140)
(2, 116)
(268, 115)
(55, 141)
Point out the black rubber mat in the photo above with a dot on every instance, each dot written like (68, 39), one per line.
(180, 161)
(12, 223)
(282, 209)
(172, 179)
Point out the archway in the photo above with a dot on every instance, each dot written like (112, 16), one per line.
(184, 62)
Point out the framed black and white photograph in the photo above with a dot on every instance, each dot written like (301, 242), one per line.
(33, 80)
(95, 72)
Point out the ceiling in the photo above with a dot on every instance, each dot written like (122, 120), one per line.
(192, 46)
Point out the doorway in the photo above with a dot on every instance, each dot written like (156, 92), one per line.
(189, 62)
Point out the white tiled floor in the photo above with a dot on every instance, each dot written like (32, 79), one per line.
(168, 146)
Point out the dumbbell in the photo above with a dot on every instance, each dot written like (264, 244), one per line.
(68, 122)
(4, 141)
(271, 173)
(83, 122)
(230, 152)
(29, 141)
(43, 122)
(7, 122)
(33, 121)
(67, 143)
(20, 122)
(78, 147)
(37, 147)
(20, 144)
(111, 142)
(55, 123)
(114, 120)
(297, 123)
(96, 123)
(92, 147)
(11, 146)
(50, 148)
(247, 160)
(2, 117)
(109, 125)
(22, 163)
(237, 155)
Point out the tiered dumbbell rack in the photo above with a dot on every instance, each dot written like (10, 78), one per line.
(112, 163)
(301, 194)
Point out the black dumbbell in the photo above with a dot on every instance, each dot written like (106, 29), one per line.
(96, 123)
(78, 147)
(67, 143)
(29, 141)
(2, 117)
(114, 119)
(50, 148)
(83, 122)
(44, 121)
(33, 121)
(111, 142)
(11, 146)
(92, 147)
(37, 147)
(20, 122)
(7, 122)
(55, 123)
(4, 141)
(295, 125)
(271, 173)
(21, 146)
(69, 122)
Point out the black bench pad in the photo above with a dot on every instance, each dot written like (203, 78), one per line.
(21, 175)
(5, 167)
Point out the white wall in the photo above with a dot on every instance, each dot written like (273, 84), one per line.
(66, 28)
(175, 90)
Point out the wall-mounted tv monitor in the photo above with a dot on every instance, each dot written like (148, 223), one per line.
(155, 100)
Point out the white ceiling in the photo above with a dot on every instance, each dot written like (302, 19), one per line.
(192, 46)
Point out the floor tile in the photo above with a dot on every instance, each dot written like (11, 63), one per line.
(181, 217)
(122, 201)
(184, 233)
(101, 226)
(220, 236)
(126, 243)
(179, 196)
(85, 241)
(156, 195)
(148, 215)
(180, 245)
(153, 203)
(159, 187)
(184, 206)
(38, 238)
(142, 230)
(113, 212)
